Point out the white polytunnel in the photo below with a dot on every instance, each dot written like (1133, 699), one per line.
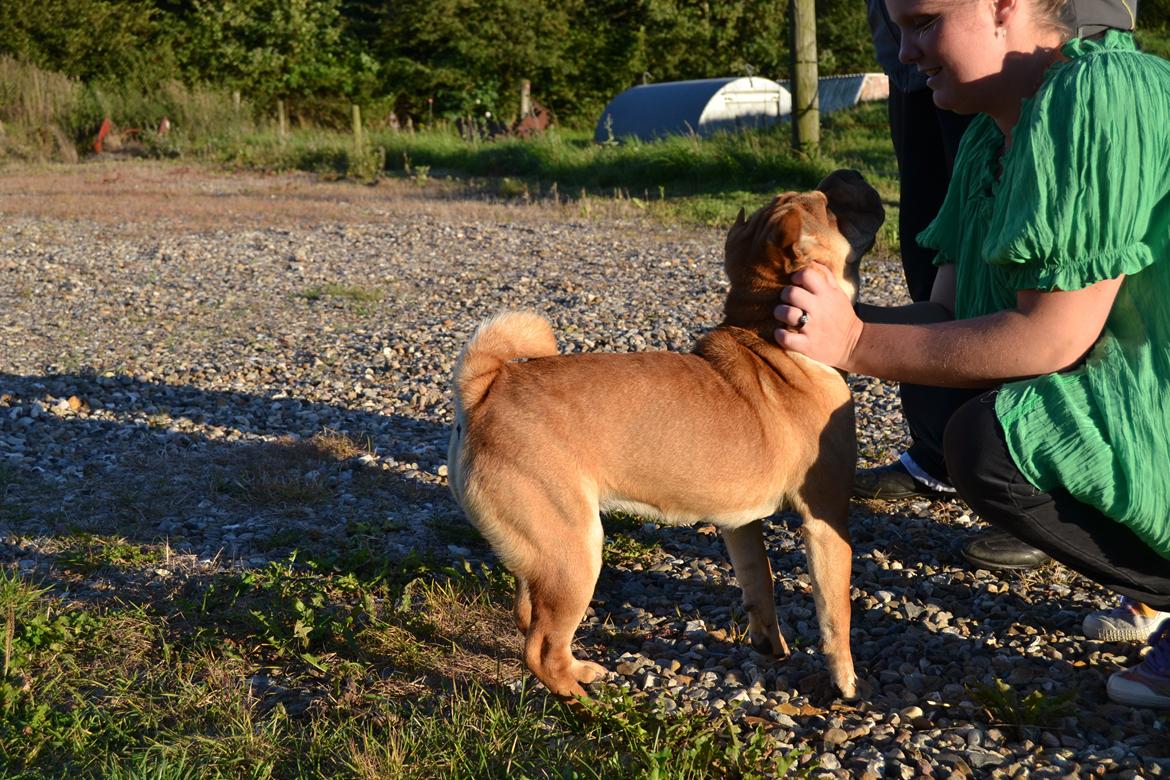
(703, 107)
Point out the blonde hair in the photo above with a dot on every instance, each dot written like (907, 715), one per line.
(1054, 15)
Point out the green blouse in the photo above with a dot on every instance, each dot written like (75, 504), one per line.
(1084, 196)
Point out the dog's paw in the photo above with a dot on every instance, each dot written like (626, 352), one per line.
(822, 690)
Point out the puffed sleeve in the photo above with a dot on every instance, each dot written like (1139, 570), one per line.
(1082, 178)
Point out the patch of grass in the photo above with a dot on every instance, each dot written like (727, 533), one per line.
(287, 472)
(86, 553)
(624, 550)
(680, 178)
(1027, 714)
(298, 670)
(340, 445)
(343, 292)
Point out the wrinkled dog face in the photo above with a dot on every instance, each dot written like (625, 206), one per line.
(833, 225)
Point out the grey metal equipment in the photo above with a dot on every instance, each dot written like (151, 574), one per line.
(1088, 18)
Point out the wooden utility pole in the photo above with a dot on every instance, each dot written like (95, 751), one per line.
(357, 126)
(525, 98)
(281, 119)
(806, 112)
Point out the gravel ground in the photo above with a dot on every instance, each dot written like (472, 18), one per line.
(167, 334)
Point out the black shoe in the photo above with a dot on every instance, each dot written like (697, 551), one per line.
(1000, 550)
(891, 481)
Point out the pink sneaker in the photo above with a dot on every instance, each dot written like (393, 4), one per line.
(1148, 683)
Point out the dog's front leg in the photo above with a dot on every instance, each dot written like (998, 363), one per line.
(830, 559)
(745, 545)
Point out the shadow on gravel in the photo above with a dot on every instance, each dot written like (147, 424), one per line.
(83, 457)
(906, 643)
(87, 461)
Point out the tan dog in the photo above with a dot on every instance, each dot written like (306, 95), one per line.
(543, 443)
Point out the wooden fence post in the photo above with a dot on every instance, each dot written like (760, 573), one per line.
(357, 126)
(806, 114)
(525, 98)
(281, 119)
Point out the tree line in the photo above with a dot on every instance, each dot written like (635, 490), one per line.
(425, 60)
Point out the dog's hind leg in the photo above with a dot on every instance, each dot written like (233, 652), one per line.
(558, 596)
(745, 545)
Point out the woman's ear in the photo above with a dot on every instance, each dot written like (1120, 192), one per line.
(1004, 11)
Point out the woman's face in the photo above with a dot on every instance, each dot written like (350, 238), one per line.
(955, 43)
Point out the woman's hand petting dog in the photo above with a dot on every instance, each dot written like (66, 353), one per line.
(830, 328)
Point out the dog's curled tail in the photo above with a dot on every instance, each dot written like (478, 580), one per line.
(507, 336)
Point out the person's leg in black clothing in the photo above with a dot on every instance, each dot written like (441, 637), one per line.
(925, 470)
(925, 140)
(1077, 535)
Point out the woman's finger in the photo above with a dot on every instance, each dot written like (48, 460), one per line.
(790, 315)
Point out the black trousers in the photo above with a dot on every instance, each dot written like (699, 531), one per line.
(925, 140)
(980, 467)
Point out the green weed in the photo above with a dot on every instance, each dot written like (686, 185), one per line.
(86, 553)
(366, 164)
(511, 188)
(343, 292)
(1030, 713)
(287, 473)
(624, 550)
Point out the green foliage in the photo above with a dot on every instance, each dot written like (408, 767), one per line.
(469, 58)
(1156, 41)
(431, 60)
(642, 741)
(87, 553)
(843, 40)
(1004, 704)
(271, 51)
(83, 39)
(366, 164)
(623, 549)
(1154, 15)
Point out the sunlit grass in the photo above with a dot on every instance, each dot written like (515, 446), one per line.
(299, 669)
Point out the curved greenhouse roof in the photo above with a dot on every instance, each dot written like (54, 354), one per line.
(703, 106)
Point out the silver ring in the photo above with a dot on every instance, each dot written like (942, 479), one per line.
(802, 321)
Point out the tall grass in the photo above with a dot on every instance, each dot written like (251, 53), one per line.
(33, 97)
(47, 115)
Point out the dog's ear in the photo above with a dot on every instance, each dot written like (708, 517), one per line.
(786, 231)
(857, 207)
(789, 224)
